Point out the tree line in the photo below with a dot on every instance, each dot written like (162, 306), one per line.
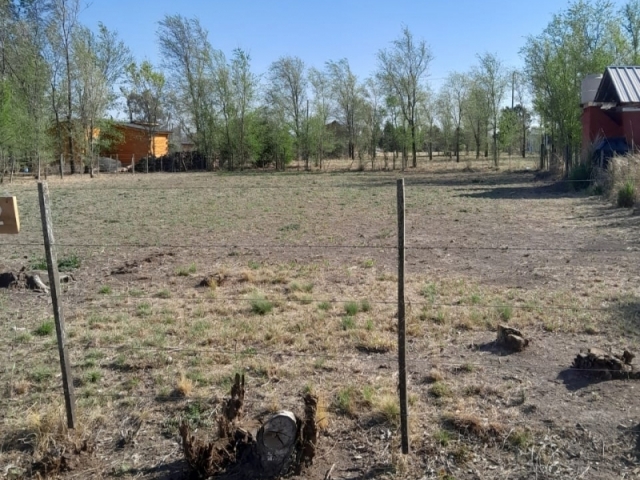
(60, 82)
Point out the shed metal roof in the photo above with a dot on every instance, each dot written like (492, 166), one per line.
(619, 85)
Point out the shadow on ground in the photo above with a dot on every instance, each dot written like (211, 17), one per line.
(575, 380)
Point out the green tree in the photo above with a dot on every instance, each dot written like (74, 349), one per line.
(187, 57)
(403, 69)
(287, 91)
(578, 41)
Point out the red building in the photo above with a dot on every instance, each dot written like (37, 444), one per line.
(611, 111)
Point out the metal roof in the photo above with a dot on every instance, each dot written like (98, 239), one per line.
(619, 85)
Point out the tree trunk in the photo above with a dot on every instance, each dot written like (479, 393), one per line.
(431, 141)
(458, 145)
(495, 147)
(413, 145)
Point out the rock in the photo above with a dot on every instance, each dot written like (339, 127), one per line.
(511, 338)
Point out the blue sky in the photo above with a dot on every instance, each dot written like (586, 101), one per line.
(317, 31)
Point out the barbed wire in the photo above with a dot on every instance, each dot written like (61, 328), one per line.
(276, 246)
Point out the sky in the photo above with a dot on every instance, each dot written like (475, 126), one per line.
(317, 31)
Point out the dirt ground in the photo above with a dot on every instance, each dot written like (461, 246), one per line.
(302, 297)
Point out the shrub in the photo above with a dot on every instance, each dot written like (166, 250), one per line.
(581, 175)
(627, 194)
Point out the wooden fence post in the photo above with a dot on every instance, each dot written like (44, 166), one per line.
(54, 287)
(402, 334)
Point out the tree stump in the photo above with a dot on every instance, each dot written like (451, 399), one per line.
(511, 339)
(605, 364)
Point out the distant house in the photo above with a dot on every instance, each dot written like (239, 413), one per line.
(133, 143)
(611, 112)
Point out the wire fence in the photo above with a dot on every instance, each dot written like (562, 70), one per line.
(419, 362)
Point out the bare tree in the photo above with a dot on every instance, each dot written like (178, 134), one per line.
(320, 137)
(65, 21)
(457, 87)
(403, 68)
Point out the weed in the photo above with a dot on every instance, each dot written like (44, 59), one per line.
(44, 329)
(134, 292)
(69, 263)
(365, 305)
(324, 306)
(38, 264)
(443, 437)
(351, 308)
(143, 309)
(348, 323)
(184, 386)
(581, 175)
(520, 438)
(428, 291)
(345, 402)
(505, 312)
(163, 294)
(253, 265)
(434, 376)
(591, 330)
(260, 305)
(439, 390)
(475, 299)
(41, 374)
(369, 263)
(367, 394)
(306, 299)
(389, 407)
(105, 290)
(186, 271)
(627, 194)
(22, 338)
(94, 376)
(369, 325)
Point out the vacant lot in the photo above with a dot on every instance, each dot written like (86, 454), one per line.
(301, 296)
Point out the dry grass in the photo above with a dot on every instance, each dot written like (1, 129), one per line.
(142, 347)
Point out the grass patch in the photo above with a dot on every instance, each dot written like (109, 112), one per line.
(627, 194)
(105, 290)
(186, 271)
(365, 305)
(428, 291)
(348, 323)
(260, 305)
(439, 390)
(44, 329)
(443, 437)
(324, 306)
(351, 308)
(163, 294)
(41, 374)
(368, 263)
(505, 313)
(69, 263)
(94, 376)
